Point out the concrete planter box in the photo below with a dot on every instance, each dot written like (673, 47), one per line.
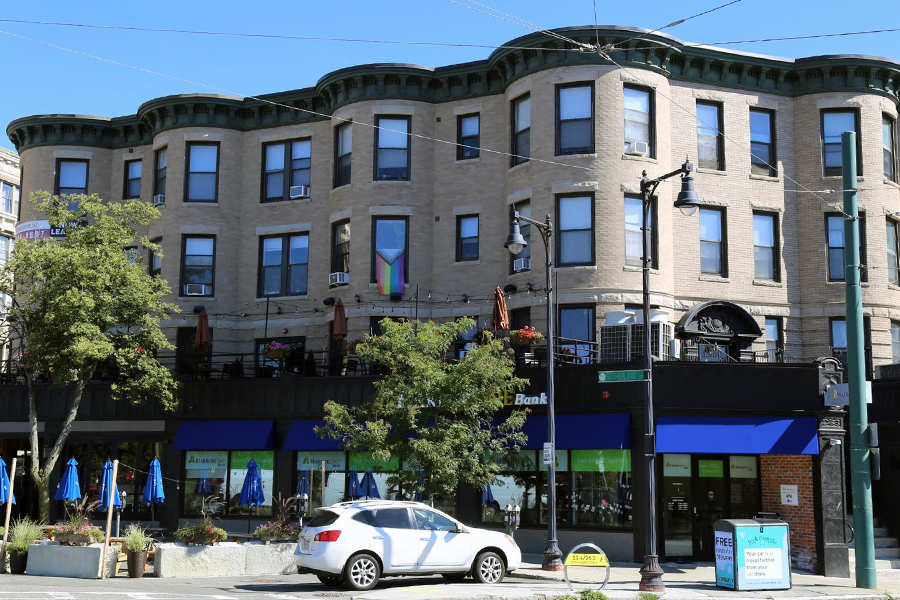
(223, 559)
(82, 562)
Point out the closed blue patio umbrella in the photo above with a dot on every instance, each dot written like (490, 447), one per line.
(252, 493)
(368, 486)
(153, 489)
(107, 483)
(203, 486)
(5, 496)
(69, 488)
(353, 488)
(303, 485)
(487, 495)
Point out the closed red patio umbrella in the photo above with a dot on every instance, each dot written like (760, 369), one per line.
(339, 329)
(500, 317)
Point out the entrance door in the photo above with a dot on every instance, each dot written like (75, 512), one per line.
(710, 502)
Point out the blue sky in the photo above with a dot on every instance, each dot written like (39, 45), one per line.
(44, 80)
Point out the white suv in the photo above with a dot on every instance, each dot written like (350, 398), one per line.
(355, 543)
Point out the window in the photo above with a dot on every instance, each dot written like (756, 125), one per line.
(574, 119)
(895, 342)
(202, 172)
(468, 136)
(834, 123)
(521, 130)
(712, 237)
(293, 157)
(198, 264)
(9, 195)
(638, 119)
(765, 246)
(601, 488)
(159, 180)
(577, 333)
(710, 141)
(381, 470)
(71, 177)
(887, 148)
(634, 222)
(893, 252)
(156, 257)
(309, 465)
(209, 472)
(774, 343)
(389, 261)
(575, 243)
(343, 145)
(283, 265)
(340, 247)
(835, 233)
(392, 148)
(524, 209)
(839, 342)
(762, 142)
(6, 247)
(132, 187)
(466, 238)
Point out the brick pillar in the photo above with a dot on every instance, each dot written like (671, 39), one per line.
(777, 470)
(831, 496)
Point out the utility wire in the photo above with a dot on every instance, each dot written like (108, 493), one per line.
(269, 35)
(491, 12)
(287, 106)
(673, 24)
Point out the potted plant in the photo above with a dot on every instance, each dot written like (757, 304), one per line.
(78, 530)
(203, 532)
(22, 534)
(525, 336)
(282, 528)
(137, 543)
(275, 350)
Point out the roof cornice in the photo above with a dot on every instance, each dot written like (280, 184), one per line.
(636, 50)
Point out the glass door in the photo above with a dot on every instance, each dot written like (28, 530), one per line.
(710, 502)
(676, 506)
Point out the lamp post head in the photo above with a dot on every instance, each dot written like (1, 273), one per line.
(688, 201)
(515, 242)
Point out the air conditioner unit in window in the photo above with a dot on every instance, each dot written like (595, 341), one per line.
(195, 289)
(637, 148)
(299, 191)
(339, 278)
(522, 264)
(159, 200)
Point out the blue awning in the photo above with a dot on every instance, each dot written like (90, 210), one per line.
(225, 435)
(581, 432)
(302, 437)
(739, 435)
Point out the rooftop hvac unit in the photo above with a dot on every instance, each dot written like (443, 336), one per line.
(159, 200)
(195, 289)
(299, 191)
(340, 278)
(635, 148)
(522, 264)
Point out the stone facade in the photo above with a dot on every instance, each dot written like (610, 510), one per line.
(442, 188)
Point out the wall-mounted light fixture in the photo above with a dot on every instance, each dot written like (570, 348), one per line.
(199, 309)
(510, 288)
(466, 298)
(277, 310)
(328, 301)
(358, 299)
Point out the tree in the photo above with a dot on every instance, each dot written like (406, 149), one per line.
(80, 301)
(439, 417)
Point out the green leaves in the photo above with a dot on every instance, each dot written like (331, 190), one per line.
(437, 414)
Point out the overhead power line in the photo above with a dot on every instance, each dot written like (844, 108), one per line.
(675, 23)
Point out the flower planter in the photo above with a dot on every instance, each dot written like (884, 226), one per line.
(274, 354)
(137, 561)
(200, 540)
(17, 563)
(74, 539)
(275, 538)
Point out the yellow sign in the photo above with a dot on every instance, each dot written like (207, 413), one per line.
(587, 560)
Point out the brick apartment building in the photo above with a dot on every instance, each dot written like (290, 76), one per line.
(389, 187)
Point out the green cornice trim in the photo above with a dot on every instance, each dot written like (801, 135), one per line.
(637, 50)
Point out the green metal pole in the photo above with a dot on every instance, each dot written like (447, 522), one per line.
(860, 477)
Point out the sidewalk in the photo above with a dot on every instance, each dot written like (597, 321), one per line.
(698, 580)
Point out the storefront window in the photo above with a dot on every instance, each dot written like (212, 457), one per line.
(380, 471)
(514, 486)
(563, 489)
(205, 474)
(744, 487)
(601, 488)
(238, 471)
(310, 465)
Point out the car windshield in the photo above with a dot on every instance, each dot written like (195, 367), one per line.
(427, 519)
(323, 519)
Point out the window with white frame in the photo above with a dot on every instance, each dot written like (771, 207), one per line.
(638, 119)
(887, 148)
(575, 242)
(284, 265)
(893, 252)
(9, 198)
(710, 140)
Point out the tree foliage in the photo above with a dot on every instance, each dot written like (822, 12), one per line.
(438, 416)
(83, 300)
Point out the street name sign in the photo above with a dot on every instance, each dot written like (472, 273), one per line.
(619, 376)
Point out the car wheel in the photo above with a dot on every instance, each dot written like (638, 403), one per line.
(454, 577)
(330, 580)
(361, 572)
(489, 568)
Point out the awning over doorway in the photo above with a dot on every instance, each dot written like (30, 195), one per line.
(225, 435)
(581, 432)
(737, 435)
(302, 437)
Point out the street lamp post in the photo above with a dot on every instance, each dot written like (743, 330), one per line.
(687, 202)
(515, 243)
